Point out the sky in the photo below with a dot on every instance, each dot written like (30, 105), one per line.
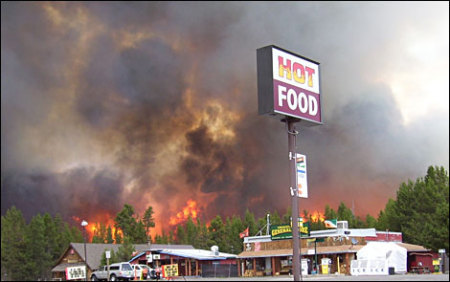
(155, 104)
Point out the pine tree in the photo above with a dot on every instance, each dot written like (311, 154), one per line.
(191, 233)
(112, 259)
(38, 258)
(181, 235)
(250, 222)
(125, 221)
(13, 245)
(125, 250)
(330, 213)
(109, 236)
(344, 213)
(421, 210)
(148, 220)
(371, 222)
(217, 233)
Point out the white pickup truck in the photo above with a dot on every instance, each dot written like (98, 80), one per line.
(117, 271)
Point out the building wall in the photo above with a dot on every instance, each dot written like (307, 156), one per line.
(70, 257)
(287, 243)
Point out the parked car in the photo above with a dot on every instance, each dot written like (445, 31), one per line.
(117, 271)
(141, 270)
(149, 273)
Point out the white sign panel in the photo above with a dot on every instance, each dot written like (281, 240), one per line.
(302, 180)
(76, 272)
(295, 71)
(288, 85)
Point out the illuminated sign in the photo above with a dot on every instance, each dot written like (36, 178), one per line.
(288, 85)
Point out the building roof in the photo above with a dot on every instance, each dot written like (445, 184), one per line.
(62, 266)
(94, 252)
(197, 254)
(360, 232)
(412, 247)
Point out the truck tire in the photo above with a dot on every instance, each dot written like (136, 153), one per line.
(113, 277)
(94, 278)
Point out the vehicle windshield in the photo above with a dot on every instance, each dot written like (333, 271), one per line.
(126, 267)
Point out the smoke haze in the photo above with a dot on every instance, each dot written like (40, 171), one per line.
(156, 103)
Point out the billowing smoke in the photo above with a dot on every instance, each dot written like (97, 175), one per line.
(156, 104)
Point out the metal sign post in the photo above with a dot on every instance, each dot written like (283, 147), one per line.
(108, 256)
(289, 87)
(293, 187)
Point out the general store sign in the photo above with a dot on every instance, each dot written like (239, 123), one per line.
(288, 85)
(279, 232)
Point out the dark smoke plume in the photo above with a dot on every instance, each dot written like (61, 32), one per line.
(156, 103)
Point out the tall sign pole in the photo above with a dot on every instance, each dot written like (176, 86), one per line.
(289, 88)
(293, 184)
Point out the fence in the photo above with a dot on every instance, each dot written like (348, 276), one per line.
(219, 270)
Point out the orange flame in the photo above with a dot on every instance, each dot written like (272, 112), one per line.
(93, 227)
(317, 216)
(190, 209)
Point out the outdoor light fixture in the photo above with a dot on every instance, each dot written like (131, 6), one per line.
(84, 223)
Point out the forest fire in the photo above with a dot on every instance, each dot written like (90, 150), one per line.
(155, 108)
(99, 227)
(316, 217)
(190, 210)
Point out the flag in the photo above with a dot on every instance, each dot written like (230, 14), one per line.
(330, 223)
(244, 233)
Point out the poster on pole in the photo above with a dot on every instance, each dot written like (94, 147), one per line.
(170, 270)
(302, 180)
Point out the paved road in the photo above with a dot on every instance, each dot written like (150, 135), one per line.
(406, 277)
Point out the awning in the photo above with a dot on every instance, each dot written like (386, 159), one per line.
(309, 251)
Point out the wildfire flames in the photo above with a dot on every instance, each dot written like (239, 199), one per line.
(190, 209)
(316, 217)
(145, 104)
(94, 226)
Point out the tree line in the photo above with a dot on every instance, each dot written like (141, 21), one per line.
(29, 251)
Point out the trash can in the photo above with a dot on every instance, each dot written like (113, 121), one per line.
(391, 270)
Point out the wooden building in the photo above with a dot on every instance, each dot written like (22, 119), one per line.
(264, 256)
(73, 256)
(191, 262)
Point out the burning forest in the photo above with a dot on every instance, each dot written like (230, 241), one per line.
(154, 104)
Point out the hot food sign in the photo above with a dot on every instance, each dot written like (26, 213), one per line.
(288, 85)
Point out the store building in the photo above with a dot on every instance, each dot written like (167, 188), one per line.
(73, 258)
(323, 251)
(191, 262)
